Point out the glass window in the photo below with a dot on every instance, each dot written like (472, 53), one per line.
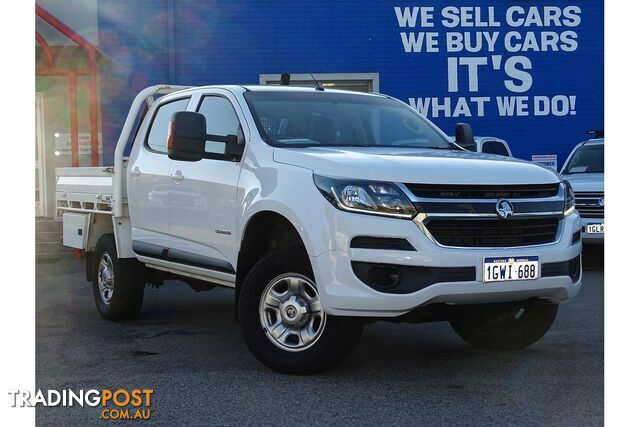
(157, 139)
(495, 147)
(314, 118)
(221, 121)
(586, 159)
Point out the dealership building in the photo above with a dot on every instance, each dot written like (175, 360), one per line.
(531, 73)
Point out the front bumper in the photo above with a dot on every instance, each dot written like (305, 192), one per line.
(342, 293)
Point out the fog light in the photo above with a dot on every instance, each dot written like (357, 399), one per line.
(384, 277)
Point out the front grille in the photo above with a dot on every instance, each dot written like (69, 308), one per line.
(436, 191)
(493, 232)
(588, 204)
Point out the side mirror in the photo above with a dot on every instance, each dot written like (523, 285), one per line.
(464, 136)
(187, 136)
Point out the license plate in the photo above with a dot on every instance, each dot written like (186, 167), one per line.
(595, 228)
(502, 269)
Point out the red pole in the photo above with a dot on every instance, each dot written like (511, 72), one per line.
(93, 107)
(45, 48)
(73, 113)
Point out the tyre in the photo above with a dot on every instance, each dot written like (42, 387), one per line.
(282, 320)
(117, 283)
(506, 326)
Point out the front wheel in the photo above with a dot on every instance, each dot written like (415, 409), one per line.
(282, 320)
(117, 284)
(506, 326)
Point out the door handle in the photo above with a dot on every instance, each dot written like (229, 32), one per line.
(177, 177)
(135, 172)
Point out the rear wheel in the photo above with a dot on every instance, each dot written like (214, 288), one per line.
(506, 326)
(282, 320)
(117, 283)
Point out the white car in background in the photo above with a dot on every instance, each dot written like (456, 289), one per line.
(492, 145)
(584, 170)
(488, 145)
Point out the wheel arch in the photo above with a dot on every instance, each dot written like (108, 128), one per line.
(264, 232)
(101, 225)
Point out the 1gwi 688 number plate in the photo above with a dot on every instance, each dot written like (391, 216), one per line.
(502, 269)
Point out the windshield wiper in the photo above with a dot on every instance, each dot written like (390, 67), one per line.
(443, 148)
(578, 173)
(420, 147)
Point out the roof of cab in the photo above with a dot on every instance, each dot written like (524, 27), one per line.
(595, 141)
(276, 88)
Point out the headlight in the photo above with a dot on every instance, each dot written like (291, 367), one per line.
(569, 199)
(377, 198)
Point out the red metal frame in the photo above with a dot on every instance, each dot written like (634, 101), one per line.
(47, 50)
(92, 72)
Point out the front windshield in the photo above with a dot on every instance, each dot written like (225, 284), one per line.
(586, 159)
(310, 119)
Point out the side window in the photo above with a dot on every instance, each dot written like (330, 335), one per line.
(157, 139)
(495, 147)
(221, 120)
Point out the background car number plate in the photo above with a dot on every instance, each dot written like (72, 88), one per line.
(595, 228)
(501, 269)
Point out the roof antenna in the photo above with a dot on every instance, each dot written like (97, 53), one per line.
(318, 85)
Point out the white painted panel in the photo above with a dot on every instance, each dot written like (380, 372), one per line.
(75, 229)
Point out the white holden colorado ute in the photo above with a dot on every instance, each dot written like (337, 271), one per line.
(324, 210)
